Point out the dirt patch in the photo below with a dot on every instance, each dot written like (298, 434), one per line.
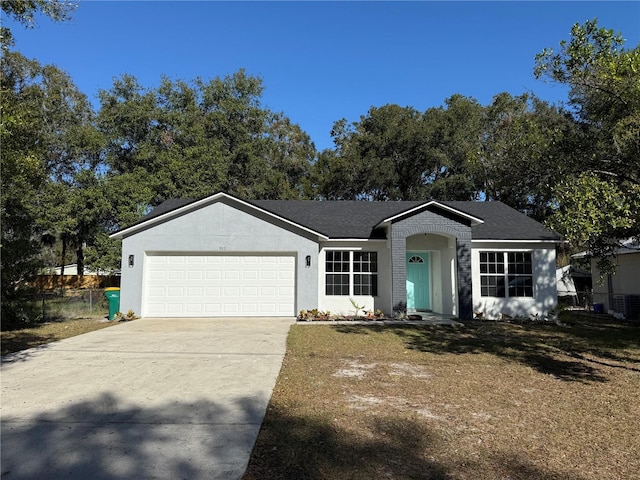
(355, 369)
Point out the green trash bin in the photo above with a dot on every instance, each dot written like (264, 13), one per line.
(113, 295)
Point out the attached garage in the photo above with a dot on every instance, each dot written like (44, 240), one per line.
(217, 257)
(214, 285)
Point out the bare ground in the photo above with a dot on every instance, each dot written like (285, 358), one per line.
(486, 401)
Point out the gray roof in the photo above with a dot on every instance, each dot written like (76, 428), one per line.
(501, 222)
(359, 219)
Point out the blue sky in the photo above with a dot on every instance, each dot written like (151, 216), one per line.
(323, 61)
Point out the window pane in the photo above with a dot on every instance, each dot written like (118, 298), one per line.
(365, 261)
(492, 286)
(492, 262)
(337, 261)
(337, 284)
(520, 286)
(365, 285)
(520, 263)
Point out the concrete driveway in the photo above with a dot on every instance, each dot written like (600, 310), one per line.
(148, 399)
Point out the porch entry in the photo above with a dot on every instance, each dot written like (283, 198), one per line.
(418, 275)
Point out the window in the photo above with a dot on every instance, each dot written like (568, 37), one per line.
(506, 274)
(365, 278)
(337, 282)
(520, 274)
(351, 273)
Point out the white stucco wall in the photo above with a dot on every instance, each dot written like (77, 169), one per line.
(625, 281)
(545, 296)
(222, 229)
(340, 304)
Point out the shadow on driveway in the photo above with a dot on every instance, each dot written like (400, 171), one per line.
(102, 439)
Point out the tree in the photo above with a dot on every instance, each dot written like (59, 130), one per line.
(528, 148)
(455, 133)
(47, 141)
(604, 81)
(189, 140)
(25, 11)
(398, 153)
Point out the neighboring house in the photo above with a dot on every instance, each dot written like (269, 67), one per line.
(71, 269)
(222, 256)
(574, 285)
(620, 292)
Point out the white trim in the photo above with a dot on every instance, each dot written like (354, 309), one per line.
(368, 240)
(513, 241)
(438, 204)
(204, 202)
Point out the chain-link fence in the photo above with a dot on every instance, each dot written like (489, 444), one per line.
(68, 304)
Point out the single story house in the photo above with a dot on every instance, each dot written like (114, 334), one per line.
(224, 256)
(619, 292)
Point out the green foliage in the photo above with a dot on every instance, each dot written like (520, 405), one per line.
(599, 208)
(51, 186)
(24, 172)
(24, 12)
(455, 134)
(356, 307)
(527, 148)
(189, 140)
(597, 214)
(398, 153)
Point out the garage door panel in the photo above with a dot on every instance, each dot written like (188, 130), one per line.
(157, 275)
(267, 275)
(250, 292)
(213, 291)
(175, 292)
(213, 275)
(194, 309)
(175, 308)
(194, 292)
(250, 275)
(219, 285)
(268, 291)
(175, 275)
(195, 275)
(285, 291)
(212, 309)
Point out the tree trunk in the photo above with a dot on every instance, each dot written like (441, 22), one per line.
(80, 259)
(63, 256)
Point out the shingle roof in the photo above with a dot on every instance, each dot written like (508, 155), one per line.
(336, 219)
(359, 219)
(501, 222)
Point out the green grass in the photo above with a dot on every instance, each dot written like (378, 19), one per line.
(485, 401)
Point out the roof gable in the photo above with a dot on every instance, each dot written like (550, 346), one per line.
(176, 207)
(438, 205)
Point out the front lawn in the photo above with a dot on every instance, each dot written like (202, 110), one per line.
(40, 334)
(486, 401)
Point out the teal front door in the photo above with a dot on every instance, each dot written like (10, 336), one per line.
(418, 294)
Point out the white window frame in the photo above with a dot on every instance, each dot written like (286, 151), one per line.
(352, 273)
(505, 274)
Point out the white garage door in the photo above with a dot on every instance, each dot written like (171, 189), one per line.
(219, 286)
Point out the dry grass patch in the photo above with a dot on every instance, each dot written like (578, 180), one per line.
(17, 340)
(486, 401)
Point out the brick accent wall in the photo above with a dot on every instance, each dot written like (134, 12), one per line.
(433, 222)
